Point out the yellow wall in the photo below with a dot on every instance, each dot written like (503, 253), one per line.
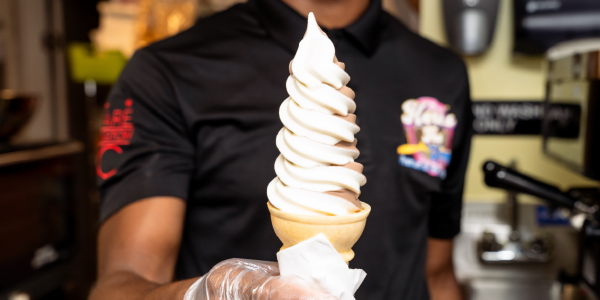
(497, 75)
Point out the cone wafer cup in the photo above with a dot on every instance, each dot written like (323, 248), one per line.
(342, 231)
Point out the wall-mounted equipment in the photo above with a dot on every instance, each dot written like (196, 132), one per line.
(571, 128)
(470, 24)
(541, 24)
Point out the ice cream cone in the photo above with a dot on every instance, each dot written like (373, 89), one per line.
(342, 231)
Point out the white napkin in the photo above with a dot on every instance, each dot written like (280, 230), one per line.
(316, 260)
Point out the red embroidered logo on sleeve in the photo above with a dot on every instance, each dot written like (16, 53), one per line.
(117, 130)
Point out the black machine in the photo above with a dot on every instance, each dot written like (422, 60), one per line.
(470, 24)
(541, 24)
(571, 133)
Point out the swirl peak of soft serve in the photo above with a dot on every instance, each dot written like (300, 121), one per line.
(316, 172)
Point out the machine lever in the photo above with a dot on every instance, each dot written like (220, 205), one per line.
(502, 177)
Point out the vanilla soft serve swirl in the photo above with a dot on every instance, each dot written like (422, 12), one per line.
(316, 172)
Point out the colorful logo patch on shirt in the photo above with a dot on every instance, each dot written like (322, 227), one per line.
(429, 130)
(117, 130)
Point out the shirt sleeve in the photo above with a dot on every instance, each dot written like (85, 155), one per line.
(145, 148)
(446, 206)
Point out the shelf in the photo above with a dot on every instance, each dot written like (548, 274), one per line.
(38, 285)
(30, 155)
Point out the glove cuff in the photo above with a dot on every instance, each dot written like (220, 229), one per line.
(192, 292)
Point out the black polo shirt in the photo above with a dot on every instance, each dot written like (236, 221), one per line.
(195, 116)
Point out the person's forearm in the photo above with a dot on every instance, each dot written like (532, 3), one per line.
(128, 286)
(443, 286)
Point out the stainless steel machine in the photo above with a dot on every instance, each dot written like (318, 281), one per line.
(572, 119)
(538, 247)
(571, 133)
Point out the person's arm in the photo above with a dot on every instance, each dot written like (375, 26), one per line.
(144, 173)
(440, 271)
(446, 203)
(137, 251)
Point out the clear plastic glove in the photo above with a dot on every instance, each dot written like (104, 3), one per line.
(243, 279)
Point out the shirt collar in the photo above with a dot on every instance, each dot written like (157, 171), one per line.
(287, 26)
